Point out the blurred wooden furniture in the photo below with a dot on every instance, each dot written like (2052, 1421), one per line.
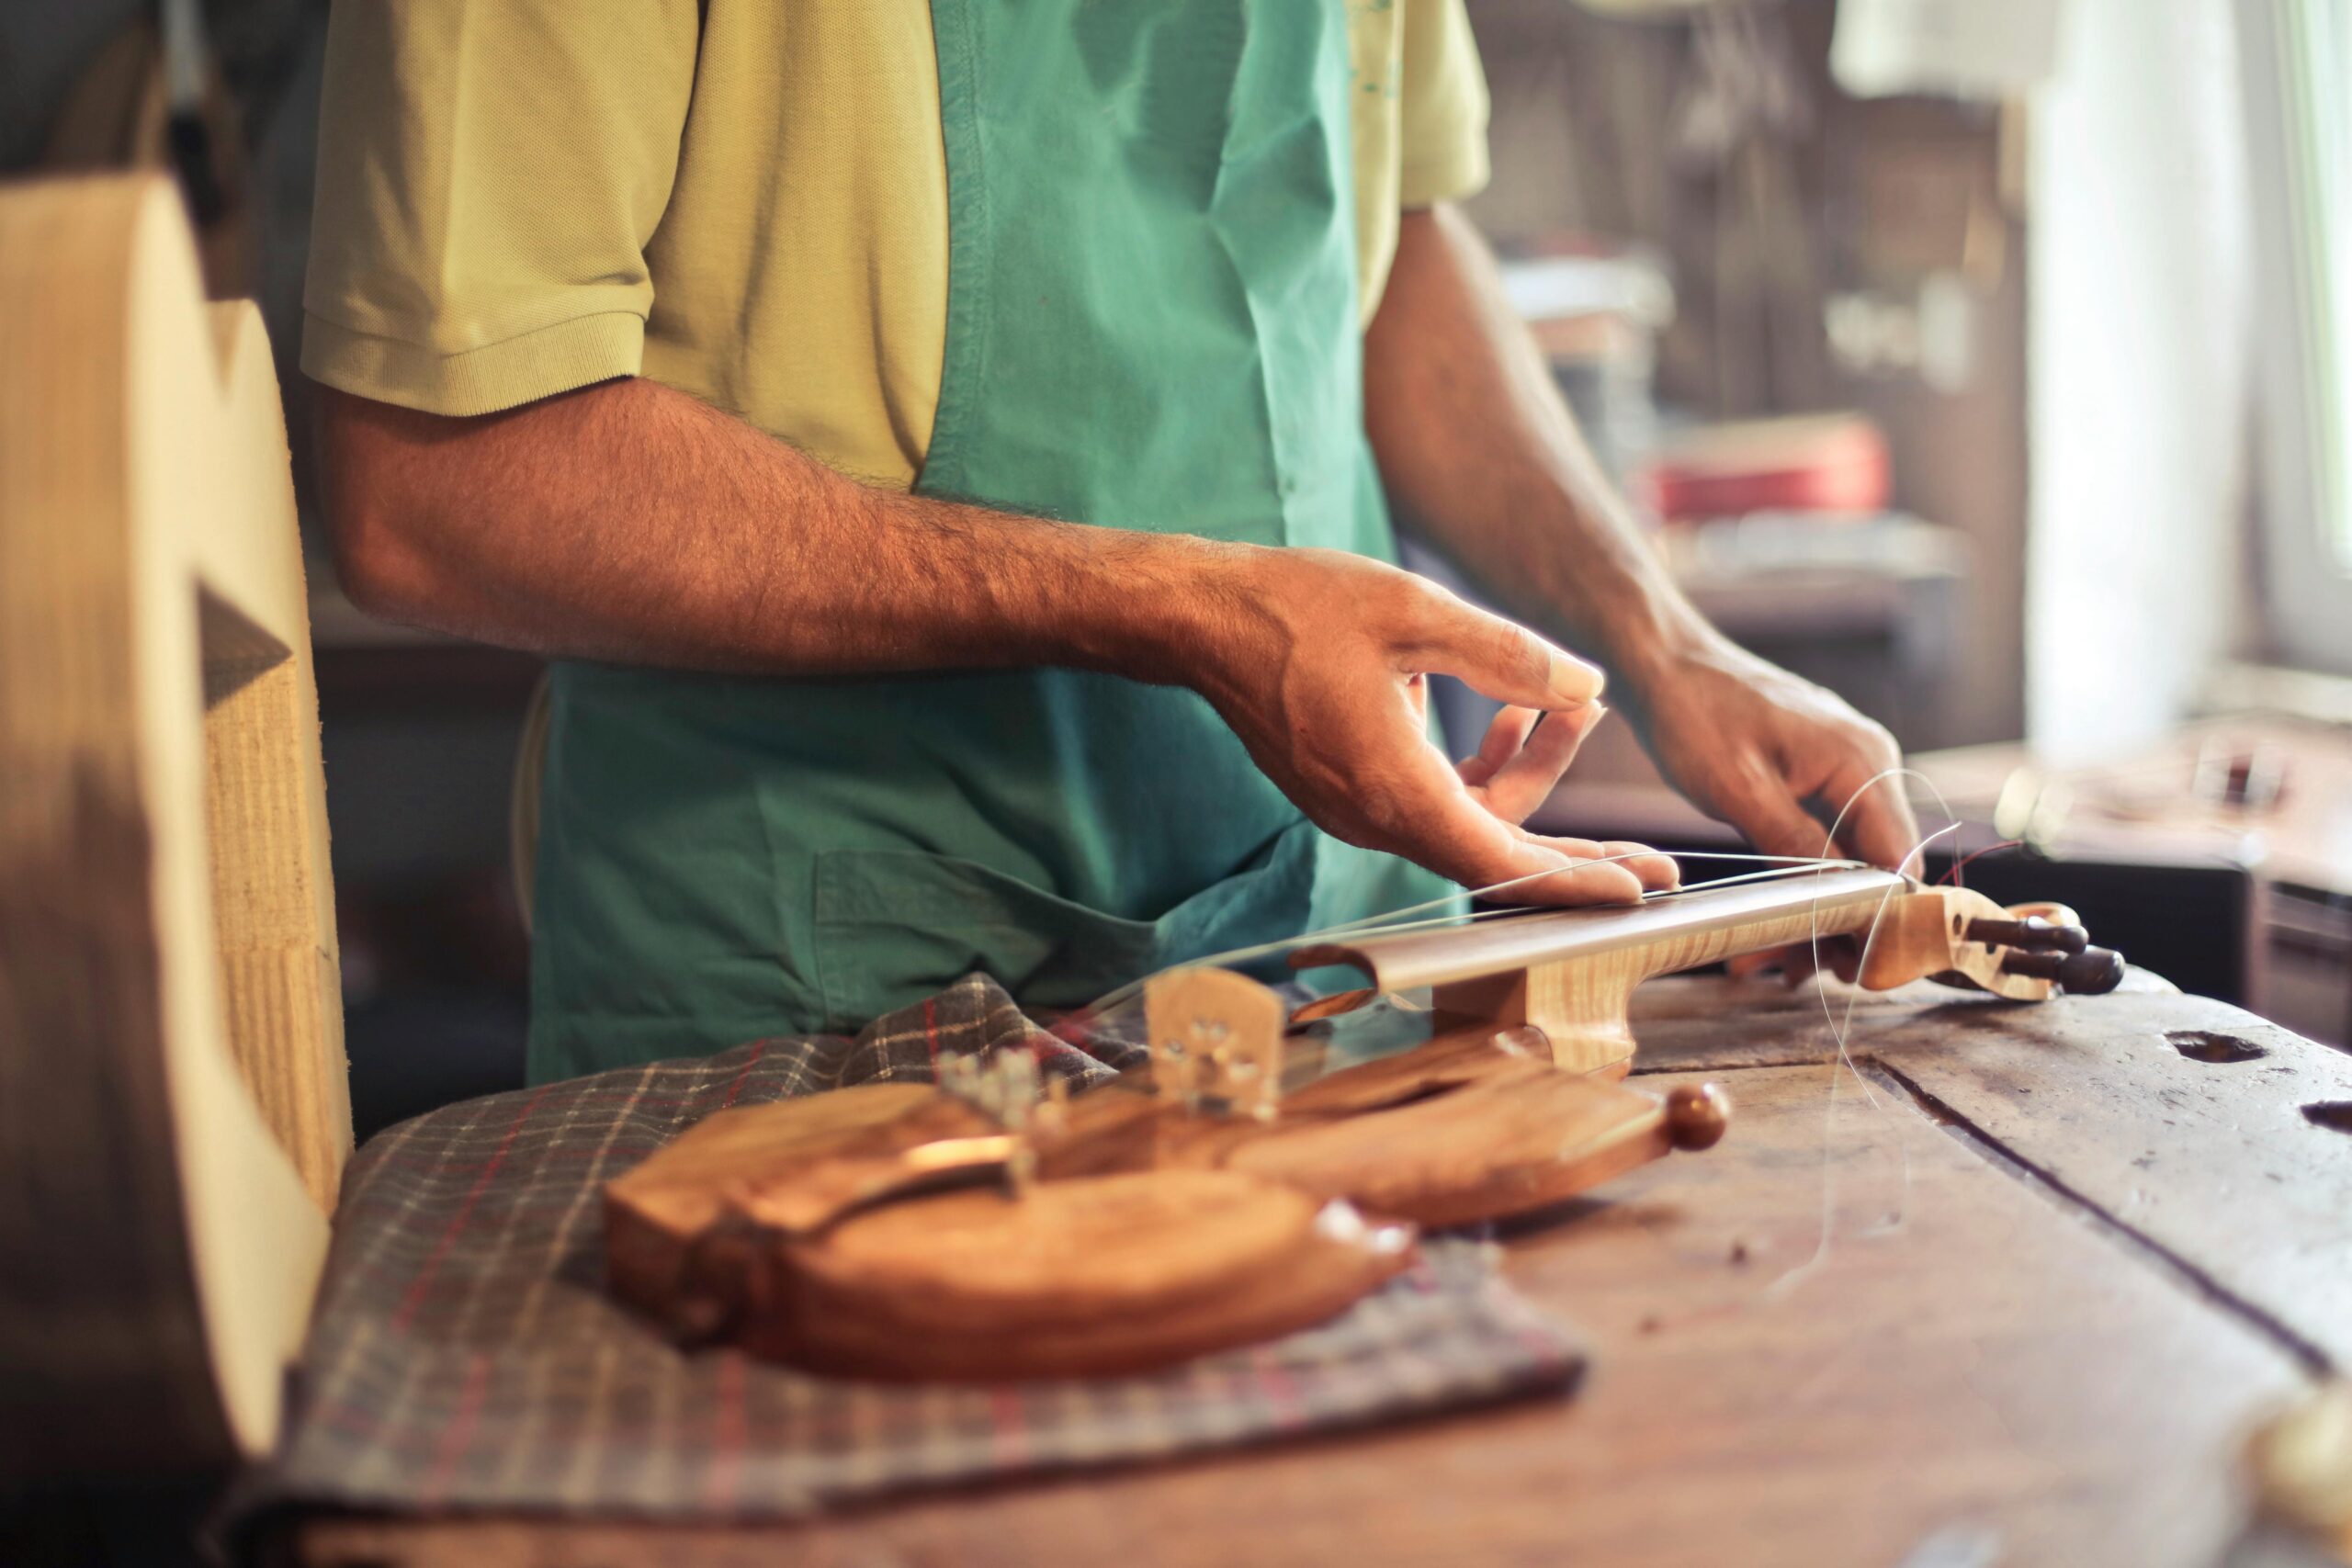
(2074, 1253)
(2268, 793)
(172, 1104)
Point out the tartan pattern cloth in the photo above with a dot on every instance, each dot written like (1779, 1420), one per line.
(465, 1356)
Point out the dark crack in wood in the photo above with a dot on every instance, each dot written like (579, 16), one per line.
(2197, 1280)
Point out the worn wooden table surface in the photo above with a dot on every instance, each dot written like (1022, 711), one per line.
(2012, 1297)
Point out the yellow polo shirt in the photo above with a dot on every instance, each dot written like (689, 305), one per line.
(745, 199)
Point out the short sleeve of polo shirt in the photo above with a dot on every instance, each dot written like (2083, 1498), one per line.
(489, 176)
(1443, 107)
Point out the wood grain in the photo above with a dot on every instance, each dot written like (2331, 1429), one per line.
(2214, 1163)
(172, 1117)
(1990, 1369)
(1090, 1277)
(1502, 1145)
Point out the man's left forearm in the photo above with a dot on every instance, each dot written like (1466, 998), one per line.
(1474, 439)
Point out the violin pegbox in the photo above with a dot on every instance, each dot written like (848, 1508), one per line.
(2022, 953)
(1216, 1041)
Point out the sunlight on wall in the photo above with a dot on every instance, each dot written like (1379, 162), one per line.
(2140, 339)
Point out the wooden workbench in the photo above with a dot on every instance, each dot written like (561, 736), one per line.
(2072, 1252)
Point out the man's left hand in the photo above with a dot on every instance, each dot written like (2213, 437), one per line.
(1775, 756)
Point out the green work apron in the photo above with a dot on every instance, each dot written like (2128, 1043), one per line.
(1151, 324)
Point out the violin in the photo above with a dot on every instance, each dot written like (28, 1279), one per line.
(1254, 1175)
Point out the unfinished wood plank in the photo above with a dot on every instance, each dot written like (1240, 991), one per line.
(1991, 1368)
(172, 1117)
(2194, 1124)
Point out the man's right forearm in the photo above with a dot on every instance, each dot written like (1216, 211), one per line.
(629, 522)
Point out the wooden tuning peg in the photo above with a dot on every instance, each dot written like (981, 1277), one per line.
(2033, 934)
(2094, 971)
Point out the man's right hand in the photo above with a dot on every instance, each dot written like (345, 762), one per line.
(1319, 660)
(628, 521)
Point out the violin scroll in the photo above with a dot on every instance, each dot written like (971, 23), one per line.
(1959, 937)
(2043, 948)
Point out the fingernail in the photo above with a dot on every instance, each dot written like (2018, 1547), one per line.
(1574, 680)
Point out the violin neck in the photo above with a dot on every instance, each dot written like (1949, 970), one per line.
(1679, 930)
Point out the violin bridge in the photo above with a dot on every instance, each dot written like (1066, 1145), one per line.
(1216, 1041)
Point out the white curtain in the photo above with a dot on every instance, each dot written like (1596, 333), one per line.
(2141, 340)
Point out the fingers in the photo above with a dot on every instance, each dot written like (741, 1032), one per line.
(1656, 873)
(1843, 954)
(1426, 815)
(1587, 873)
(1572, 879)
(1764, 807)
(1795, 962)
(1503, 660)
(1525, 780)
(1503, 740)
(1880, 823)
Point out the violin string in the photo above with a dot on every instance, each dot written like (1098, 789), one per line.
(1951, 825)
(1964, 862)
(1410, 917)
(1389, 925)
(1841, 1030)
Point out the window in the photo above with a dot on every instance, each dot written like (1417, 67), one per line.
(2298, 70)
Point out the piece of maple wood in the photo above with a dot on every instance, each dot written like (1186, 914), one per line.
(748, 1220)
(1503, 1144)
(657, 1213)
(1992, 1375)
(1095, 1277)
(173, 1100)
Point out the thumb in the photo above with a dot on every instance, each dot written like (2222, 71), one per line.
(1497, 658)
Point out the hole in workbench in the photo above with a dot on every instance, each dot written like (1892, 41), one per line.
(2335, 1115)
(2203, 1045)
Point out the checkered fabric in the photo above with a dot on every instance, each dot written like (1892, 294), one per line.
(465, 1356)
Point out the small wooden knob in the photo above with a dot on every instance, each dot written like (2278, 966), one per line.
(2093, 972)
(1697, 1115)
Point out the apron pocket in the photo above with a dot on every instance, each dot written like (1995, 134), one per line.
(895, 926)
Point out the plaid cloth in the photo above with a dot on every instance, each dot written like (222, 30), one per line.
(465, 1356)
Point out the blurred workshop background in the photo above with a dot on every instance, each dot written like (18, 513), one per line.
(1989, 361)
